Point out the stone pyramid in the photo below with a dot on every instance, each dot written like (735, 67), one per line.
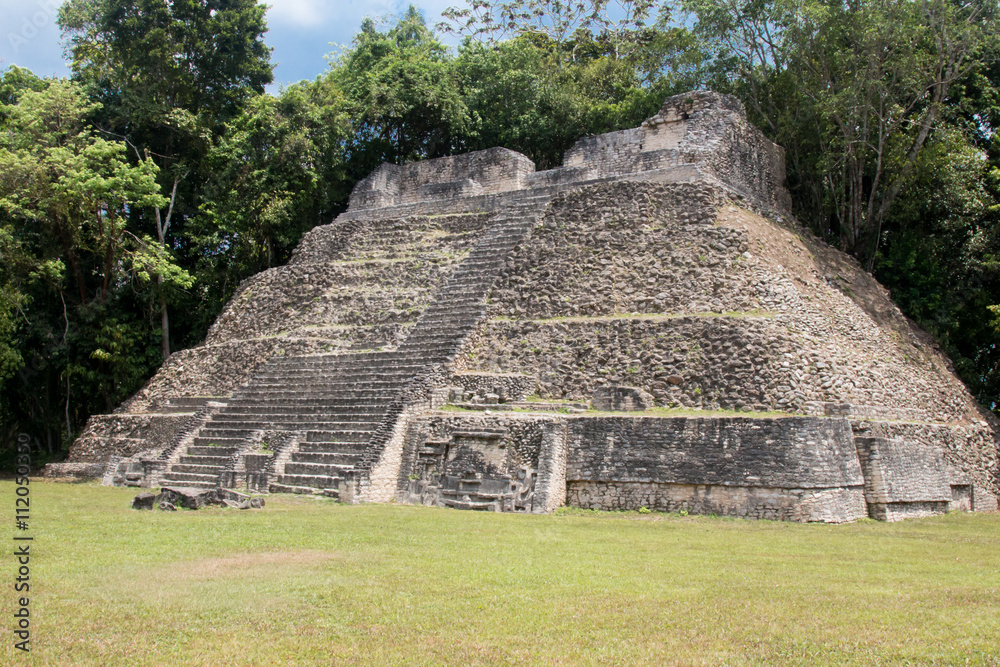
(645, 326)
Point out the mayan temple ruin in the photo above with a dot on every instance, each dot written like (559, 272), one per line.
(645, 326)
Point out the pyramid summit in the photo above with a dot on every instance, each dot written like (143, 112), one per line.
(645, 326)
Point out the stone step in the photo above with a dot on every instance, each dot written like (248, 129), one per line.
(331, 363)
(328, 443)
(343, 435)
(215, 461)
(327, 457)
(335, 423)
(334, 470)
(321, 435)
(198, 449)
(230, 445)
(345, 412)
(308, 481)
(191, 484)
(318, 384)
(312, 401)
(172, 478)
(382, 393)
(333, 390)
(198, 469)
(321, 375)
(277, 361)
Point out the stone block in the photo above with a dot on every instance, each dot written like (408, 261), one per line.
(188, 498)
(622, 399)
(983, 500)
(144, 501)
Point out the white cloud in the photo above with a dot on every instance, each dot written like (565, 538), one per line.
(298, 12)
(318, 13)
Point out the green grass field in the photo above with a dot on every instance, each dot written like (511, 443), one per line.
(307, 581)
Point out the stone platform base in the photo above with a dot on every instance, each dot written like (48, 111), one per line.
(74, 471)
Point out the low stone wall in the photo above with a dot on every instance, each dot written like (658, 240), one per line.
(837, 505)
(801, 469)
(970, 448)
(74, 470)
(489, 171)
(787, 452)
(900, 471)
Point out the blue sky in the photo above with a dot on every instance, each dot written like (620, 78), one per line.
(301, 32)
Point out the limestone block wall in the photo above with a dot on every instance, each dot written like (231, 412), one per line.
(903, 478)
(702, 128)
(970, 448)
(490, 171)
(522, 438)
(803, 469)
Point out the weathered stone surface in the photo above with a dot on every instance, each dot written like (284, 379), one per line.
(657, 269)
(192, 499)
(144, 501)
(74, 470)
(622, 399)
(492, 170)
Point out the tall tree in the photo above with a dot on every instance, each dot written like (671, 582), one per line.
(169, 75)
(66, 195)
(276, 172)
(403, 92)
(852, 90)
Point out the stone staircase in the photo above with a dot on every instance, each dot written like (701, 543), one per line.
(339, 401)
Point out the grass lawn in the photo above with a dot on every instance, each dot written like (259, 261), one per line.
(308, 581)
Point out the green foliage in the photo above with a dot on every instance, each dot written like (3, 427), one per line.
(74, 188)
(402, 93)
(277, 171)
(517, 100)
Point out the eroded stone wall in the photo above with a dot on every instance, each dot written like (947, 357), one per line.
(651, 285)
(490, 171)
(838, 505)
(799, 468)
(704, 129)
(479, 461)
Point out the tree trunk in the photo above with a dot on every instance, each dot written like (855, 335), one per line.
(164, 321)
